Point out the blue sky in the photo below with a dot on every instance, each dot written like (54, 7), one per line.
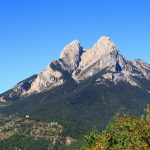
(33, 32)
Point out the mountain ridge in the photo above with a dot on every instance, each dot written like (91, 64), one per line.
(77, 63)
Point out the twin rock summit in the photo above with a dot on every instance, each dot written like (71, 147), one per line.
(76, 63)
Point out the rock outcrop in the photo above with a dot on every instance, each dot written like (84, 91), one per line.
(58, 71)
(102, 47)
(20, 89)
(142, 67)
(71, 56)
(103, 54)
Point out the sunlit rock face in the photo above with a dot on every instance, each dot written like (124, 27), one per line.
(102, 47)
(142, 67)
(77, 63)
(71, 56)
(20, 89)
(52, 76)
(58, 71)
(104, 53)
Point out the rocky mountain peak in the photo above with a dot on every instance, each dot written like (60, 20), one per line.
(56, 72)
(104, 51)
(104, 45)
(71, 49)
(70, 56)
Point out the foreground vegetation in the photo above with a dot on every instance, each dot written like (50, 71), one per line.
(125, 133)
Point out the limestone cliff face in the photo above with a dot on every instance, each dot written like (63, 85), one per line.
(142, 67)
(103, 54)
(77, 63)
(58, 71)
(101, 48)
(50, 77)
(71, 56)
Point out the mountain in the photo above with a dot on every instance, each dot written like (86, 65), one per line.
(83, 88)
(77, 64)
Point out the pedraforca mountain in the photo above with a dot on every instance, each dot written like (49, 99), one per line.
(77, 64)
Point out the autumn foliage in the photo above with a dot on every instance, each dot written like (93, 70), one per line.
(127, 132)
